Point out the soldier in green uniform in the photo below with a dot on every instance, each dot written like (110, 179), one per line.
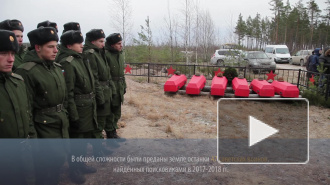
(115, 58)
(71, 26)
(81, 99)
(17, 27)
(94, 52)
(47, 94)
(16, 163)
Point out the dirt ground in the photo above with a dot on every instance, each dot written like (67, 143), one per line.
(148, 113)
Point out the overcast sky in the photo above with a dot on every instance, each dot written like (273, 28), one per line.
(96, 14)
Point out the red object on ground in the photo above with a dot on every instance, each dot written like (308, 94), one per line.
(262, 88)
(286, 89)
(195, 85)
(241, 87)
(175, 83)
(219, 85)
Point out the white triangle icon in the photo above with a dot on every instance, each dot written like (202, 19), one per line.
(259, 131)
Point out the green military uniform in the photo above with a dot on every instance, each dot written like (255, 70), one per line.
(81, 100)
(103, 81)
(19, 56)
(46, 86)
(47, 93)
(15, 115)
(16, 164)
(81, 91)
(116, 62)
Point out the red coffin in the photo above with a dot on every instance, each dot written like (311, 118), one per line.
(285, 89)
(175, 83)
(219, 85)
(195, 85)
(241, 87)
(262, 88)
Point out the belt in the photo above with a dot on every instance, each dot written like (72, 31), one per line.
(85, 96)
(57, 108)
(104, 82)
(118, 78)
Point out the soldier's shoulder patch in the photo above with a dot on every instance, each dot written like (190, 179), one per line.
(17, 76)
(57, 64)
(69, 59)
(29, 65)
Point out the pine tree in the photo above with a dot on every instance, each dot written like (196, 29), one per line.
(240, 29)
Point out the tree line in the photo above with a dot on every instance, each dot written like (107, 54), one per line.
(301, 26)
(189, 34)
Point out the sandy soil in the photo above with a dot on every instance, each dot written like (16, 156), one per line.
(149, 113)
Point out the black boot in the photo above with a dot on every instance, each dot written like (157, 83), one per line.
(112, 134)
(77, 177)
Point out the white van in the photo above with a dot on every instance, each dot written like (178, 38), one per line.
(280, 53)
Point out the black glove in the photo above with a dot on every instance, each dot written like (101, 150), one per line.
(102, 106)
(125, 91)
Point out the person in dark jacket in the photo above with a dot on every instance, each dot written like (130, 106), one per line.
(309, 58)
(315, 60)
(16, 162)
(325, 59)
(17, 27)
(95, 53)
(47, 94)
(81, 100)
(115, 58)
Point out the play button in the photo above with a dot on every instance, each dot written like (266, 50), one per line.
(263, 131)
(259, 131)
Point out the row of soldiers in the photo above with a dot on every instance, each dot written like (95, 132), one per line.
(66, 90)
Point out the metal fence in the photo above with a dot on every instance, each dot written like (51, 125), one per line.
(298, 77)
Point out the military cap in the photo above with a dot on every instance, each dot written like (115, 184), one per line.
(114, 38)
(8, 41)
(71, 37)
(42, 35)
(95, 34)
(71, 26)
(48, 24)
(11, 25)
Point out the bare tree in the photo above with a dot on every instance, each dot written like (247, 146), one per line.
(207, 36)
(196, 29)
(187, 12)
(121, 16)
(170, 29)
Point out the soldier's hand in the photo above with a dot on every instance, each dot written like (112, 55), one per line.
(125, 91)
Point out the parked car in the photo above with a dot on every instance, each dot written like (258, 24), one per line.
(258, 61)
(300, 58)
(280, 53)
(222, 56)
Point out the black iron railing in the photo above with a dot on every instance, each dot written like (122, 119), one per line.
(298, 77)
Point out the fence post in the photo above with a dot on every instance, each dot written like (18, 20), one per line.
(194, 69)
(298, 83)
(148, 72)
